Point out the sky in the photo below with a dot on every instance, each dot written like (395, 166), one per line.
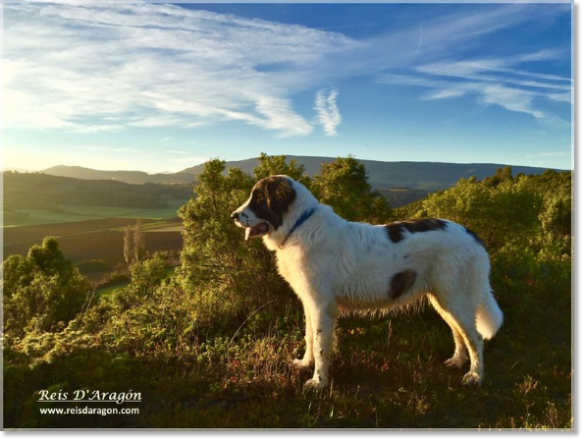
(163, 87)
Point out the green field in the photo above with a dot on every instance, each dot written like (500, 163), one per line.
(108, 290)
(72, 213)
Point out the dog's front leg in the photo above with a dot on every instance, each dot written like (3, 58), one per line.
(308, 359)
(323, 322)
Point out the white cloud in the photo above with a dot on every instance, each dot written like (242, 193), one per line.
(327, 112)
(91, 68)
(190, 160)
(88, 68)
(176, 151)
(549, 154)
(495, 81)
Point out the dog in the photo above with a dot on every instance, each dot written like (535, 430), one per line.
(334, 265)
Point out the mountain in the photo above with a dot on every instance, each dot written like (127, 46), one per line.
(383, 174)
(126, 176)
(17, 169)
(43, 191)
(396, 174)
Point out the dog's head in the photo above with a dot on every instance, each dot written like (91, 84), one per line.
(267, 206)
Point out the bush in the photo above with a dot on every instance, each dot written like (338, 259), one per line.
(42, 291)
(92, 265)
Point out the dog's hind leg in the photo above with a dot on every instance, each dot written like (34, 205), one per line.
(462, 319)
(460, 354)
(309, 358)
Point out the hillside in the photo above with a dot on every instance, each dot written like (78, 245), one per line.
(42, 191)
(397, 174)
(383, 174)
(126, 176)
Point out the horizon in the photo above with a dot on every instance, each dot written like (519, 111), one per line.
(160, 87)
(21, 170)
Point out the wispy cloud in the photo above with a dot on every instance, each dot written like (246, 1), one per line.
(176, 151)
(104, 67)
(91, 68)
(549, 154)
(496, 81)
(190, 160)
(327, 112)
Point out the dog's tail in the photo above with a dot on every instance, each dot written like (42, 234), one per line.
(489, 317)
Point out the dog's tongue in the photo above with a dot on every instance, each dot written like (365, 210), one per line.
(259, 230)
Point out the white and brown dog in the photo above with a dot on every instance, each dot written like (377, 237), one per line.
(334, 265)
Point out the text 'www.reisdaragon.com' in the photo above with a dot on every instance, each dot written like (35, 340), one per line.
(103, 411)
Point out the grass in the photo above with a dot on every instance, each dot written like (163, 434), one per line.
(128, 212)
(387, 373)
(72, 213)
(32, 217)
(157, 226)
(108, 290)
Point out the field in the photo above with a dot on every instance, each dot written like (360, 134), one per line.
(96, 239)
(92, 232)
(73, 213)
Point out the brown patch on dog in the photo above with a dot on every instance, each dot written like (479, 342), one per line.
(396, 230)
(271, 198)
(401, 283)
(476, 237)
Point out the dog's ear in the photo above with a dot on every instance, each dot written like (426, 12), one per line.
(279, 194)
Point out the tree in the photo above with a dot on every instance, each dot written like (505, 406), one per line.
(129, 245)
(276, 165)
(43, 289)
(499, 213)
(343, 184)
(147, 275)
(215, 257)
(134, 243)
(139, 242)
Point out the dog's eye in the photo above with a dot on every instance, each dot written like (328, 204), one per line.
(258, 196)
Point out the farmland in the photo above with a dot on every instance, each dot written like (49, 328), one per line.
(69, 213)
(87, 232)
(95, 239)
(90, 231)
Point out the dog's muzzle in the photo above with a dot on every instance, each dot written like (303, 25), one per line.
(255, 231)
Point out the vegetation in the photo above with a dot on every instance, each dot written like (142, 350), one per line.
(134, 243)
(92, 265)
(40, 191)
(208, 346)
(14, 218)
(43, 291)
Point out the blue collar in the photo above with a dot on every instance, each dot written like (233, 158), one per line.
(304, 217)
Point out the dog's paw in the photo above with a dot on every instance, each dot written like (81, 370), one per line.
(301, 364)
(456, 361)
(471, 378)
(315, 384)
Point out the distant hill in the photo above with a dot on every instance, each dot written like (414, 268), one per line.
(396, 174)
(125, 176)
(383, 174)
(42, 191)
(16, 169)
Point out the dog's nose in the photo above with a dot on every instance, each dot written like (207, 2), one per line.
(234, 215)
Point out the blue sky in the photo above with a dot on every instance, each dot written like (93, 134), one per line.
(160, 87)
